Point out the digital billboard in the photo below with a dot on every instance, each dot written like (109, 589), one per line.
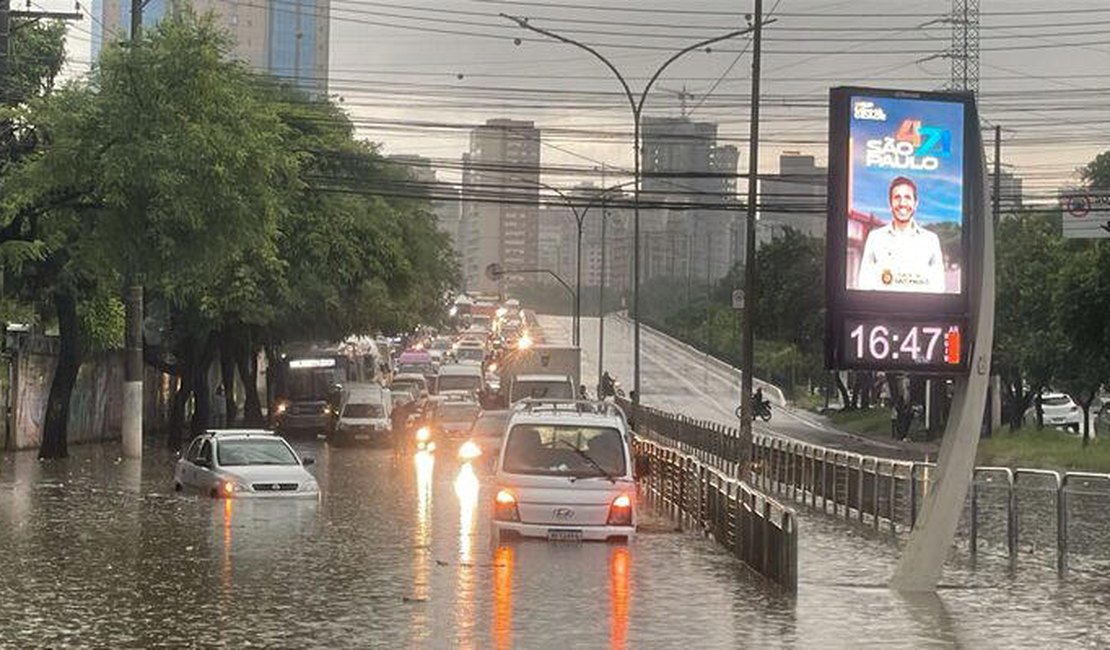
(906, 209)
(904, 173)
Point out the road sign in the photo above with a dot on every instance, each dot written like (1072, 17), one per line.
(494, 272)
(1085, 214)
(737, 298)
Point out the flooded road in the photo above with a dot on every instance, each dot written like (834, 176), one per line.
(102, 553)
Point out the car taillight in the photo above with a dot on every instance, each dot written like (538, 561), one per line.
(504, 507)
(620, 511)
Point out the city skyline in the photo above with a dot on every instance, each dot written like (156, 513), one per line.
(420, 100)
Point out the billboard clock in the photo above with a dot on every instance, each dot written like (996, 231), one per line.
(899, 232)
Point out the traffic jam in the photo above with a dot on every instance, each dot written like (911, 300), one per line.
(486, 393)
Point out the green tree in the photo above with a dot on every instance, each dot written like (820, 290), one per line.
(166, 165)
(1082, 304)
(1028, 342)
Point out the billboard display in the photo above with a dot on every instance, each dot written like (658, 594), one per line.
(904, 173)
(906, 195)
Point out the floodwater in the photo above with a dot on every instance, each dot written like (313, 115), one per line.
(99, 552)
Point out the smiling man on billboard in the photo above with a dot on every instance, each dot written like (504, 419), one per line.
(902, 256)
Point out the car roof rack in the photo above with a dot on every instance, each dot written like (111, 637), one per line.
(585, 407)
(218, 433)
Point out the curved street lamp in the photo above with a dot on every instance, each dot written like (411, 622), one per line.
(637, 106)
(579, 221)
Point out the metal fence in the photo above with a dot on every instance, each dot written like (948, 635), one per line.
(1004, 506)
(758, 530)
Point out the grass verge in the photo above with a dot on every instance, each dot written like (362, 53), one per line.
(1047, 449)
(871, 423)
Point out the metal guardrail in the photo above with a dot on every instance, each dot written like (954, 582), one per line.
(757, 529)
(885, 494)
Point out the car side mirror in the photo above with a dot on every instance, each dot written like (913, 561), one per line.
(641, 466)
(308, 461)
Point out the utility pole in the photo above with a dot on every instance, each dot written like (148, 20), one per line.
(997, 197)
(747, 359)
(132, 425)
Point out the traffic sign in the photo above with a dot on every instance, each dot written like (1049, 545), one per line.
(737, 298)
(494, 272)
(1085, 214)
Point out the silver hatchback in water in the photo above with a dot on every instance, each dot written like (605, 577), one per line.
(236, 463)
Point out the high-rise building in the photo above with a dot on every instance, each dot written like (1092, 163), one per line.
(793, 198)
(286, 38)
(442, 197)
(689, 188)
(500, 216)
(1010, 191)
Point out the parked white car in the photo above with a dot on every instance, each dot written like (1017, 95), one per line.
(235, 463)
(1060, 410)
(565, 473)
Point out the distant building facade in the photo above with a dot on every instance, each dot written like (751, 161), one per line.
(793, 198)
(689, 208)
(500, 213)
(286, 38)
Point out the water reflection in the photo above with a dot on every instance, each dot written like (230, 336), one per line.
(620, 593)
(503, 597)
(466, 489)
(422, 533)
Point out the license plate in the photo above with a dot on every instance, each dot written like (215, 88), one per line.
(562, 535)
(362, 436)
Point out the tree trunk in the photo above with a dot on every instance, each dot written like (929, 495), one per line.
(246, 359)
(202, 415)
(845, 397)
(177, 405)
(227, 376)
(65, 377)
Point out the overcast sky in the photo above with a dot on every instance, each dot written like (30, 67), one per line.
(417, 74)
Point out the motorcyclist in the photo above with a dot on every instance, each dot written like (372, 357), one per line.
(608, 385)
(759, 403)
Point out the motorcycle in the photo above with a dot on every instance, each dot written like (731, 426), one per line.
(761, 409)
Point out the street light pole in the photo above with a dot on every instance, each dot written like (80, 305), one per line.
(747, 359)
(637, 111)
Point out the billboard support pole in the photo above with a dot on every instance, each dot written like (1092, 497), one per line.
(935, 528)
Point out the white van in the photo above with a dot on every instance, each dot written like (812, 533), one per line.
(461, 380)
(364, 415)
(565, 473)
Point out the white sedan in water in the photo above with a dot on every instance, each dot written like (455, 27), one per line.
(244, 462)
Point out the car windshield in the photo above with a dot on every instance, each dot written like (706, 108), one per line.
(564, 450)
(542, 390)
(459, 382)
(363, 411)
(254, 452)
(415, 368)
(490, 425)
(462, 412)
(1057, 400)
(552, 450)
(470, 354)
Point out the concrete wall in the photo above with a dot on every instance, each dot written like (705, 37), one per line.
(96, 407)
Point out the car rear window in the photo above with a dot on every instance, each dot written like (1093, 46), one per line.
(363, 411)
(459, 382)
(457, 412)
(1061, 400)
(254, 452)
(542, 390)
(555, 450)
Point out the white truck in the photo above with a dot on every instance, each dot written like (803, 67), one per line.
(546, 368)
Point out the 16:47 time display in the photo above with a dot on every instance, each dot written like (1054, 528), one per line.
(905, 343)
